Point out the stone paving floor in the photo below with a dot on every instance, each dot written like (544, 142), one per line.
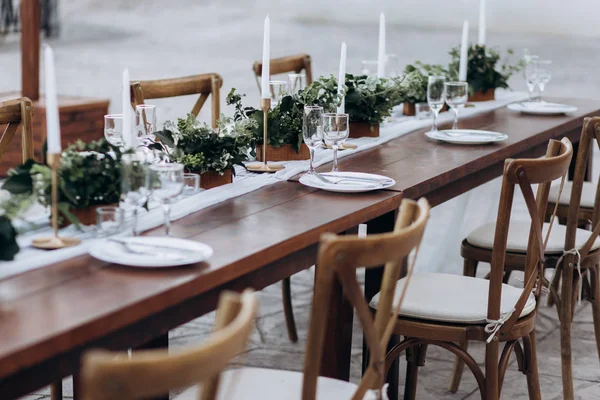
(153, 40)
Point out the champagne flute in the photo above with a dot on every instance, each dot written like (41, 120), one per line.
(335, 132)
(312, 131)
(113, 129)
(167, 183)
(457, 94)
(145, 121)
(543, 74)
(135, 184)
(436, 95)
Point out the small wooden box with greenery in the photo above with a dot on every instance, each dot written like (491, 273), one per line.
(415, 82)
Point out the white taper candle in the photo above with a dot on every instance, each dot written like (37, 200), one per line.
(128, 137)
(342, 78)
(482, 22)
(381, 53)
(266, 60)
(52, 116)
(464, 53)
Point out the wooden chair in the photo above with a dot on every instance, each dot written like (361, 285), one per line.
(339, 256)
(14, 113)
(204, 85)
(110, 376)
(444, 310)
(296, 64)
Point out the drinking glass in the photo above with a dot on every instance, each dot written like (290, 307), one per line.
(543, 74)
(135, 184)
(436, 95)
(167, 184)
(335, 132)
(191, 184)
(530, 74)
(369, 67)
(457, 94)
(297, 82)
(145, 121)
(312, 131)
(109, 220)
(422, 111)
(278, 90)
(392, 64)
(113, 129)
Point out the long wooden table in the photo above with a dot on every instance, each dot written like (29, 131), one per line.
(53, 314)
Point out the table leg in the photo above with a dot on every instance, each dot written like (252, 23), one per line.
(56, 392)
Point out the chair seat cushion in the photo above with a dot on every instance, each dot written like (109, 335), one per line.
(588, 194)
(453, 298)
(272, 384)
(518, 235)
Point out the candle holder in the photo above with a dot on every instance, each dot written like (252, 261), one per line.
(265, 104)
(54, 242)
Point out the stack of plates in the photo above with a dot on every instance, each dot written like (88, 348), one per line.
(467, 136)
(541, 108)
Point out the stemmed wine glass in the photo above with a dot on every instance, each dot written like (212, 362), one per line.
(135, 184)
(113, 129)
(278, 90)
(297, 82)
(312, 131)
(145, 122)
(335, 132)
(457, 94)
(166, 181)
(530, 74)
(436, 96)
(369, 67)
(543, 74)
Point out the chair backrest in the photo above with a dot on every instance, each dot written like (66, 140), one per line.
(524, 173)
(14, 113)
(296, 63)
(204, 85)
(155, 372)
(340, 256)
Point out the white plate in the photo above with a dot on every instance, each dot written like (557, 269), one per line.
(158, 255)
(467, 136)
(348, 186)
(543, 108)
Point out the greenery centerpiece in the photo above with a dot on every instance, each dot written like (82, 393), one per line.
(89, 177)
(415, 84)
(484, 73)
(210, 153)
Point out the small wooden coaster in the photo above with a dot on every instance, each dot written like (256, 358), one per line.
(54, 242)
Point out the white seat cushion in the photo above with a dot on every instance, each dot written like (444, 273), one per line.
(518, 235)
(453, 298)
(588, 194)
(272, 384)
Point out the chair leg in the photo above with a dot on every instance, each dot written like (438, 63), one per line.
(566, 313)
(457, 369)
(56, 392)
(492, 375)
(288, 311)
(595, 300)
(414, 358)
(533, 378)
(470, 267)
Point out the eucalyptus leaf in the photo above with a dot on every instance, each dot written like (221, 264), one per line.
(166, 137)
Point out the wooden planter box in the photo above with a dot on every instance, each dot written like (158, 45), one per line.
(363, 129)
(283, 153)
(483, 96)
(86, 216)
(211, 179)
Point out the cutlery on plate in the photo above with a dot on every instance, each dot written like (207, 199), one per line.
(372, 183)
(129, 248)
(465, 134)
(129, 244)
(382, 181)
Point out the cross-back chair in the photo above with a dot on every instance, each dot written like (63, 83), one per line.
(296, 64)
(15, 113)
(339, 256)
(204, 85)
(449, 310)
(112, 376)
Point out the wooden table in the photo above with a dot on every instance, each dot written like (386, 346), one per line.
(57, 312)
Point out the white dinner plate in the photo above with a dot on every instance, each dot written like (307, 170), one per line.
(353, 182)
(542, 108)
(158, 251)
(467, 136)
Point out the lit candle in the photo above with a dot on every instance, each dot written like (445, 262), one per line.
(464, 53)
(128, 138)
(342, 78)
(381, 54)
(482, 26)
(52, 119)
(266, 60)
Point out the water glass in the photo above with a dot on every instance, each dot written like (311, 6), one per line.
(436, 96)
(543, 74)
(297, 82)
(457, 94)
(109, 220)
(278, 90)
(145, 121)
(530, 74)
(392, 65)
(369, 67)
(422, 110)
(312, 131)
(335, 132)
(166, 181)
(135, 184)
(191, 184)
(113, 129)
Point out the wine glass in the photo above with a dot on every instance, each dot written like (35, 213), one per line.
(297, 82)
(145, 121)
(392, 63)
(166, 181)
(135, 184)
(530, 74)
(369, 67)
(457, 94)
(543, 74)
(312, 131)
(436, 96)
(278, 90)
(113, 129)
(335, 132)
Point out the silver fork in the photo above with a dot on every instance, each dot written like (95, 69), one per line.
(129, 249)
(329, 181)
